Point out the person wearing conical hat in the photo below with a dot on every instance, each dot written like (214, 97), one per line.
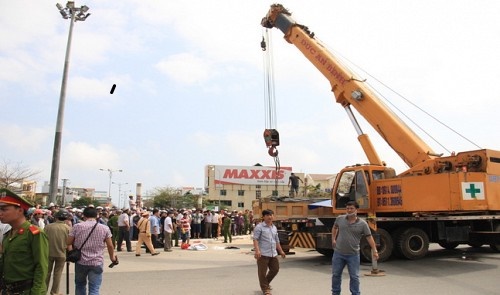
(25, 248)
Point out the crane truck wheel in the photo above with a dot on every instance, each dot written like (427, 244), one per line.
(475, 244)
(413, 243)
(384, 249)
(284, 241)
(325, 252)
(496, 247)
(396, 235)
(448, 245)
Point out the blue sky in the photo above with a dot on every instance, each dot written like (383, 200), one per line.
(189, 84)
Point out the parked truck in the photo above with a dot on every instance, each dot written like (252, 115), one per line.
(449, 200)
(298, 220)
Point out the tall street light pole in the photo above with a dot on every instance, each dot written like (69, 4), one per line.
(125, 197)
(120, 191)
(110, 177)
(65, 182)
(74, 14)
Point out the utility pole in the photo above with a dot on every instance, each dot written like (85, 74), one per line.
(63, 194)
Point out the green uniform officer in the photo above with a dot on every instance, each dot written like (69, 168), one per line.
(113, 224)
(25, 249)
(226, 228)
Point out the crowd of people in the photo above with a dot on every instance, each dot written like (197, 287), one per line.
(92, 229)
(181, 224)
(124, 223)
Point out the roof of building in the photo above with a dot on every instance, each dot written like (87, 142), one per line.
(318, 177)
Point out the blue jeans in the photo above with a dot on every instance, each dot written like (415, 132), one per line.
(94, 275)
(339, 261)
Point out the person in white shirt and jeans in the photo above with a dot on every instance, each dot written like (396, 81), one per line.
(168, 229)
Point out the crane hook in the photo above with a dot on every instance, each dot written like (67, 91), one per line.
(272, 139)
(273, 151)
(263, 44)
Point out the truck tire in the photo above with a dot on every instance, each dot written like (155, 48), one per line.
(284, 242)
(325, 252)
(475, 244)
(448, 245)
(285, 248)
(413, 243)
(496, 247)
(384, 249)
(396, 235)
(283, 236)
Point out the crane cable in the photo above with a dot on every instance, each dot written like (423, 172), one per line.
(271, 135)
(342, 58)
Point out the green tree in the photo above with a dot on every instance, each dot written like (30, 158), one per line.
(188, 200)
(164, 197)
(84, 202)
(169, 197)
(315, 192)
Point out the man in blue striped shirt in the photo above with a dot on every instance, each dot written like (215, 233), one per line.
(267, 246)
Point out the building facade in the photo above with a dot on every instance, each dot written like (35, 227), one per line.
(235, 187)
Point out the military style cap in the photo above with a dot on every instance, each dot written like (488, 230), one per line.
(9, 198)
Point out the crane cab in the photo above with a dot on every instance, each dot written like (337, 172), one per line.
(354, 183)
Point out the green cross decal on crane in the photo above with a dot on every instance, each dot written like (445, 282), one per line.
(472, 190)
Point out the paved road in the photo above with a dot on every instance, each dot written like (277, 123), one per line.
(233, 271)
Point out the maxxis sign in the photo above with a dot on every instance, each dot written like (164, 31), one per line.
(251, 175)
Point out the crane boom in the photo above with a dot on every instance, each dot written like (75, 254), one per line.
(351, 91)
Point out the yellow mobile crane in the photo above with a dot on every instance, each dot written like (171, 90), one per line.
(449, 200)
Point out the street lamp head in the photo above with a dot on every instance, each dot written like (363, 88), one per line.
(70, 10)
(64, 14)
(81, 16)
(63, 11)
(110, 170)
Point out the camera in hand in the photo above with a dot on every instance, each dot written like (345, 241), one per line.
(113, 263)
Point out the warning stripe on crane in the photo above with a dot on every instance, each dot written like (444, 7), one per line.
(302, 240)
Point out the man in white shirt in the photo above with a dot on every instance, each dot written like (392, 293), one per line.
(123, 231)
(215, 225)
(207, 221)
(178, 221)
(197, 218)
(168, 229)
